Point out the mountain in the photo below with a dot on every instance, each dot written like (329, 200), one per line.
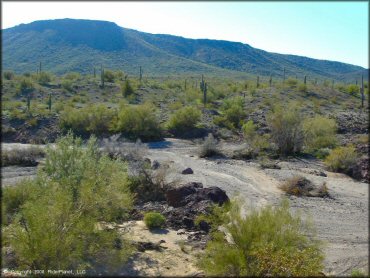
(79, 45)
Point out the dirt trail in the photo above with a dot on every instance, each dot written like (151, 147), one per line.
(341, 222)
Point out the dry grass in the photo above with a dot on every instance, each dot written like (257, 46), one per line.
(300, 186)
(210, 147)
(22, 157)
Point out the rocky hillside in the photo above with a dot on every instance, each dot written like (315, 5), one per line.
(78, 45)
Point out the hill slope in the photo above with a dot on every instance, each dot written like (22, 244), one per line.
(79, 45)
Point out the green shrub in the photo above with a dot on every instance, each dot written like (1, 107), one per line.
(109, 76)
(67, 85)
(154, 220)
(232, 113)
(249, 130)
(286, 129)
(8, 75)
(319, 132)
(184, 119)
(14, 197)
(57, 225)
(139, 121)
(127, 89)
(119, 75)
(91, 119)
(26, 86)
(72, 76)
(302, 87)
(341, 159)
(44, 77)
(256, 142)
(353, 89)
(268, 242)
(357, 273)
(291, 82)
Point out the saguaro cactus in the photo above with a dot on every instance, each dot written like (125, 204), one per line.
(362, 91)
(140, 75)
(28, 102)
(203, 87)
(258, 81)
(270, 80)
(94, 72)
(305, 79)
(49, 102)
(102, 76)
(40, 67)
(284, 77)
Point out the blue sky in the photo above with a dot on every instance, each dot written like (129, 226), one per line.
(324, 30)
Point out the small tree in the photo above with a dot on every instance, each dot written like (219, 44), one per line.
(57, 224)
(319, 132)
(286, 129)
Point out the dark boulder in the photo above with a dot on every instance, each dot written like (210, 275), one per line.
(187, 171)
(213, 193)
(194, 192)
(176, 196)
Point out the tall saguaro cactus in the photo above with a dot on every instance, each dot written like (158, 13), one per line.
(270, 80)
(203, 87)
(140, 74)
(49, 102)
(28, 102)
(94, 72)
(40, 68)
(258, 81)
(362, 91)
(102, 76)
(284, 77)
(305, 79)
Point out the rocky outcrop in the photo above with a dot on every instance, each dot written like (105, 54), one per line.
(360, 170)
(352, 122)
(194, 192)
(183, 205)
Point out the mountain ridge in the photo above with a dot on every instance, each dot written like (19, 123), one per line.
(98, 42)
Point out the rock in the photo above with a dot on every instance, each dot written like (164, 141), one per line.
(213, 193)
(317, 173)
(142, 246)
(194, 192)
(155, 165)
(187, 171)
(360, 170)
(188, 222)
(204, 226)
(176, 197)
